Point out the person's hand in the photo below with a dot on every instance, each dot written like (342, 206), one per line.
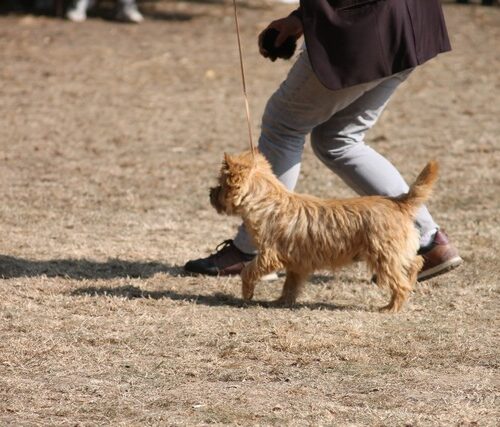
(291, 26)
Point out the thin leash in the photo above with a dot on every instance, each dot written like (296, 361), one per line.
(247, 107)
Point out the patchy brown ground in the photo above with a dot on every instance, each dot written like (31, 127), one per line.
(110, 137)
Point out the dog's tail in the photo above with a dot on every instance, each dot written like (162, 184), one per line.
(421, 189)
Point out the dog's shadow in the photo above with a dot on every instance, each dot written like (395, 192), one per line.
(84, 269)
(217, 299)
(133, 292)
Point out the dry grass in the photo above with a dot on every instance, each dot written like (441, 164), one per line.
(110, 137)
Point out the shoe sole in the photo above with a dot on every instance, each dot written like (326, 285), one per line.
(267, 278)
(440, 269)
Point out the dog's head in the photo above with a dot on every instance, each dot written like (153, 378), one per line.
(235, 180)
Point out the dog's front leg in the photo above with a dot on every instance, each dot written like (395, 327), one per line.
(292, 287)
(261, 265)
(249, 280)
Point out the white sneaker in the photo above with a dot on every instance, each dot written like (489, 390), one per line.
(76, 15)
(130, 14)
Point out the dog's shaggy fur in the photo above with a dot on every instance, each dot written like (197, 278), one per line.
(303, 233)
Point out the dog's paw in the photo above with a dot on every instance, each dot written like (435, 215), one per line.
(247, 297)
(284, 302)
(247, 292)
(389, 308)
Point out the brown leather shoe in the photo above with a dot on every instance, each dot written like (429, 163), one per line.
(439, 258)
(225, 261)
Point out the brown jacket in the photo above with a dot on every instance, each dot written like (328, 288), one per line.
(356, 41)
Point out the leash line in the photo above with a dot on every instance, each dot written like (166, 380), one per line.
(247, 107)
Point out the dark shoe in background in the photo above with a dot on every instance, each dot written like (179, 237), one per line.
(227, 260)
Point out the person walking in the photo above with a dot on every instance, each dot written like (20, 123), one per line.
(127, 11)
(356, 54)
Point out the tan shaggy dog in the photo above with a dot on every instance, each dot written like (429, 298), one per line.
(303, 233)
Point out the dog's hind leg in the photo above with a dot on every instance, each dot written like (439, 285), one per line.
(392, 274)
(414, 269)
(261, 265)
(292, 287)
(399, 294)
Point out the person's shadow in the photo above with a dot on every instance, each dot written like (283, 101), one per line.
(83, 269)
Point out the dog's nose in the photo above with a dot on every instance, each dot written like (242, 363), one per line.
(214, 194)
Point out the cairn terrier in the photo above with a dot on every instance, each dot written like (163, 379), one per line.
(303, 233)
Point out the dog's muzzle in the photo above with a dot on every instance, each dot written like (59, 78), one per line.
(214, 199)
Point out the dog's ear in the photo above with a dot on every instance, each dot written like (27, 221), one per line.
(234, 171)
(235, 165)
(227, 166)
(228, 160)
(239, 162)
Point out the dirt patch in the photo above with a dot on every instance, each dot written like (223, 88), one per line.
(111, 135)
